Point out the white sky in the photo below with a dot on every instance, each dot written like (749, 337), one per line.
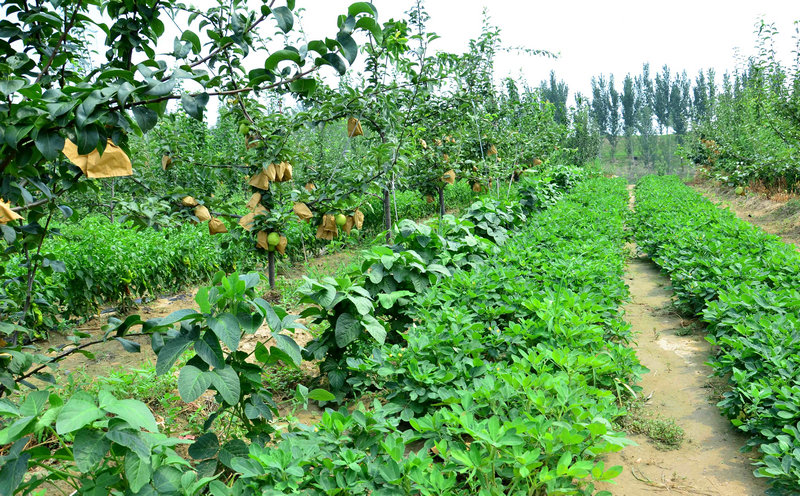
(593, 37)
(590, 36)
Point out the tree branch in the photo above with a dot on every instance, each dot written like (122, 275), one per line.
(60, 41)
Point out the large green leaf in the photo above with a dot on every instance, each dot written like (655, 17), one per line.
(362, 8)
(50, 144)
(226, 327)
(205, 446)
(89, 449)
(130, 439)
(77, 413)
(146, 118)
(137, 471)
(284, 17)
(347, 329)
(334, 61)
(193, 382)
(288, 346)
(195, 105)
(226, 381)
(281, 55)
(170, 352)
(135, 413)
(12, 473)
(16, 429)
(375, 328)
(349, 46)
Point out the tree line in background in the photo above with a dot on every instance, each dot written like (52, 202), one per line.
(742, 128)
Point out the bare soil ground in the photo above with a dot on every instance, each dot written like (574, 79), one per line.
(781, 218)
(678, 387)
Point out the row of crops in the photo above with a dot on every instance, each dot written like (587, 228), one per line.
(506, 381)
(744, 284)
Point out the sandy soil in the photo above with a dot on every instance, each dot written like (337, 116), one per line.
(709, 461)
(780, 218)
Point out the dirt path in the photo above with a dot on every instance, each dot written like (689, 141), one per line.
(678, 387)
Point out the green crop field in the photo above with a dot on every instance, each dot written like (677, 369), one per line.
(287, 247)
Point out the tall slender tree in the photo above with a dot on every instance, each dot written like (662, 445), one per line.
(661, 99)
(628, 113)
(556, 92)
(614, 125)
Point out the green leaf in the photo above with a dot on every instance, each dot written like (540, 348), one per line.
(280, 56)
(347, 330)
(226, 327)
(374, 328)
(226, 381)
(77, 413)
(178, 316)
(137, 471)
(135, 413)
(195, 105)
(170, 352)
(205, 446)
(146, 119)
(231, 450)
(362, 8)
(288, 346)
(284, 17)
(161, 88)
(34, 403)
(349, 46)
(89, 449)
(130, 439)
(124, 92)
(11, 86)
(167, 480)
(192, 383)
(49, 144)
(88, 139)
(304, 87)
(363, 305)
(334, 61)
(321, 395)
(12, 473)
(16, 429)
(192, 38)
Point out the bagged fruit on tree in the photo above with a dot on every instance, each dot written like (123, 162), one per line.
(281, 246)
(280, 167)
(202, 213)
(354, 127)
(428, 198)
(476, 187)
(492, 151)
(348, 225)
(216, 226)
(302, 211)
(271, 172)
(247, 221)
(449, 177)
(310, 187)
(358, 218)
(112, 163)
(536, 161)
(327, 229)
(6, 214)
(261, 240)
(287, 172)
(166, 162)
(446, 158)
(260, 180)
(254, 201)
(423, 144)
(188, 201)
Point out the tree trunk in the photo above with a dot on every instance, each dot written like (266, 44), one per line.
(387, 213)
(441, 202)
(271, 269)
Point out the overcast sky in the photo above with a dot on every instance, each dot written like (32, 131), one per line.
(593, 37)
